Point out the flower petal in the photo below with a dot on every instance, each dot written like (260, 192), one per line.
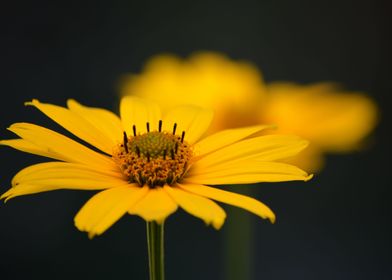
(63, 170)
(25, 146)
(58, 146)
(157, 205)
(198, 206)
(262, 148)
(245, 172)
(193, 120)
(245, 202)
(76, 125)
(105, 121)
(107, 207)
(137, 111)
(226, 137)
(58, 175)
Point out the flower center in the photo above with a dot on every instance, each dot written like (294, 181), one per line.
(153, 158)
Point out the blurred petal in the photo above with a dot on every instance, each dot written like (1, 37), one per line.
(107, 207)
(191, 119)
(322, 113)
(232, 88)
(245, 202)
(198, 206)
(157, 205)
(137, 111)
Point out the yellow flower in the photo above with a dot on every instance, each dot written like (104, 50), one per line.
(148, 165)
(232, 89)
(330, 118)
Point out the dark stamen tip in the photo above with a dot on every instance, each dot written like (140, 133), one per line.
(160, 126)
(134, 130)
(125, 142)
(148, 127)
(174, 128)
(182, 137)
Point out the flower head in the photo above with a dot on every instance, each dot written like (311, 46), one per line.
(332, 120)
(147, 164)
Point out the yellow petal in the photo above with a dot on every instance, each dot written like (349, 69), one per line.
(157, 205)
(226, 137)
(76, 125)
(245, 172)
(107, 207)
(63, 170)
(25, 146)
(198, 206)
(137, 111)
(53, 176)
(105, 121)
(245, 202)
(191, 119)
(59, 146)
(262, 148)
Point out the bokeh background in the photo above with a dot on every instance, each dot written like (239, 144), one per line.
(337, 226)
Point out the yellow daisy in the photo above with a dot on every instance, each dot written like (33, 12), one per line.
(147, 164)
(332, 119)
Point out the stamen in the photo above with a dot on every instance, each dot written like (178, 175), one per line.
(160, 126)
(182, 137)
(176, 148)
(137, 151)
(174, 128)
(148, 127)
(126, 142)
(134, 130)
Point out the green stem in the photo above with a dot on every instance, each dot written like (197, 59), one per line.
(239, 241)
(155, 250)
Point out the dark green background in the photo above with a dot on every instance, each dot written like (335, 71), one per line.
(335, 227)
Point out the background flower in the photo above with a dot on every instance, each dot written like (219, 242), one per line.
(333, 120)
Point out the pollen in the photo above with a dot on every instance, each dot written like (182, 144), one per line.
(154, 158)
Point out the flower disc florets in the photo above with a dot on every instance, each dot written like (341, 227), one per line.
(153, 158)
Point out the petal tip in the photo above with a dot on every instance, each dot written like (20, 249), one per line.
(309, 177)
(33, 102)
(272, 218)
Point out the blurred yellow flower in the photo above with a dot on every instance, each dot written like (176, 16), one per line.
(232, 89)
(331, 119)
(149, 164)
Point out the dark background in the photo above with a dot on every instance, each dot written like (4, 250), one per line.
(335, 227)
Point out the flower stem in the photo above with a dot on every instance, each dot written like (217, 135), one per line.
(239, 241)
(155, 250)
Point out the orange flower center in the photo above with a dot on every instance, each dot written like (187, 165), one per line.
(153, 158)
